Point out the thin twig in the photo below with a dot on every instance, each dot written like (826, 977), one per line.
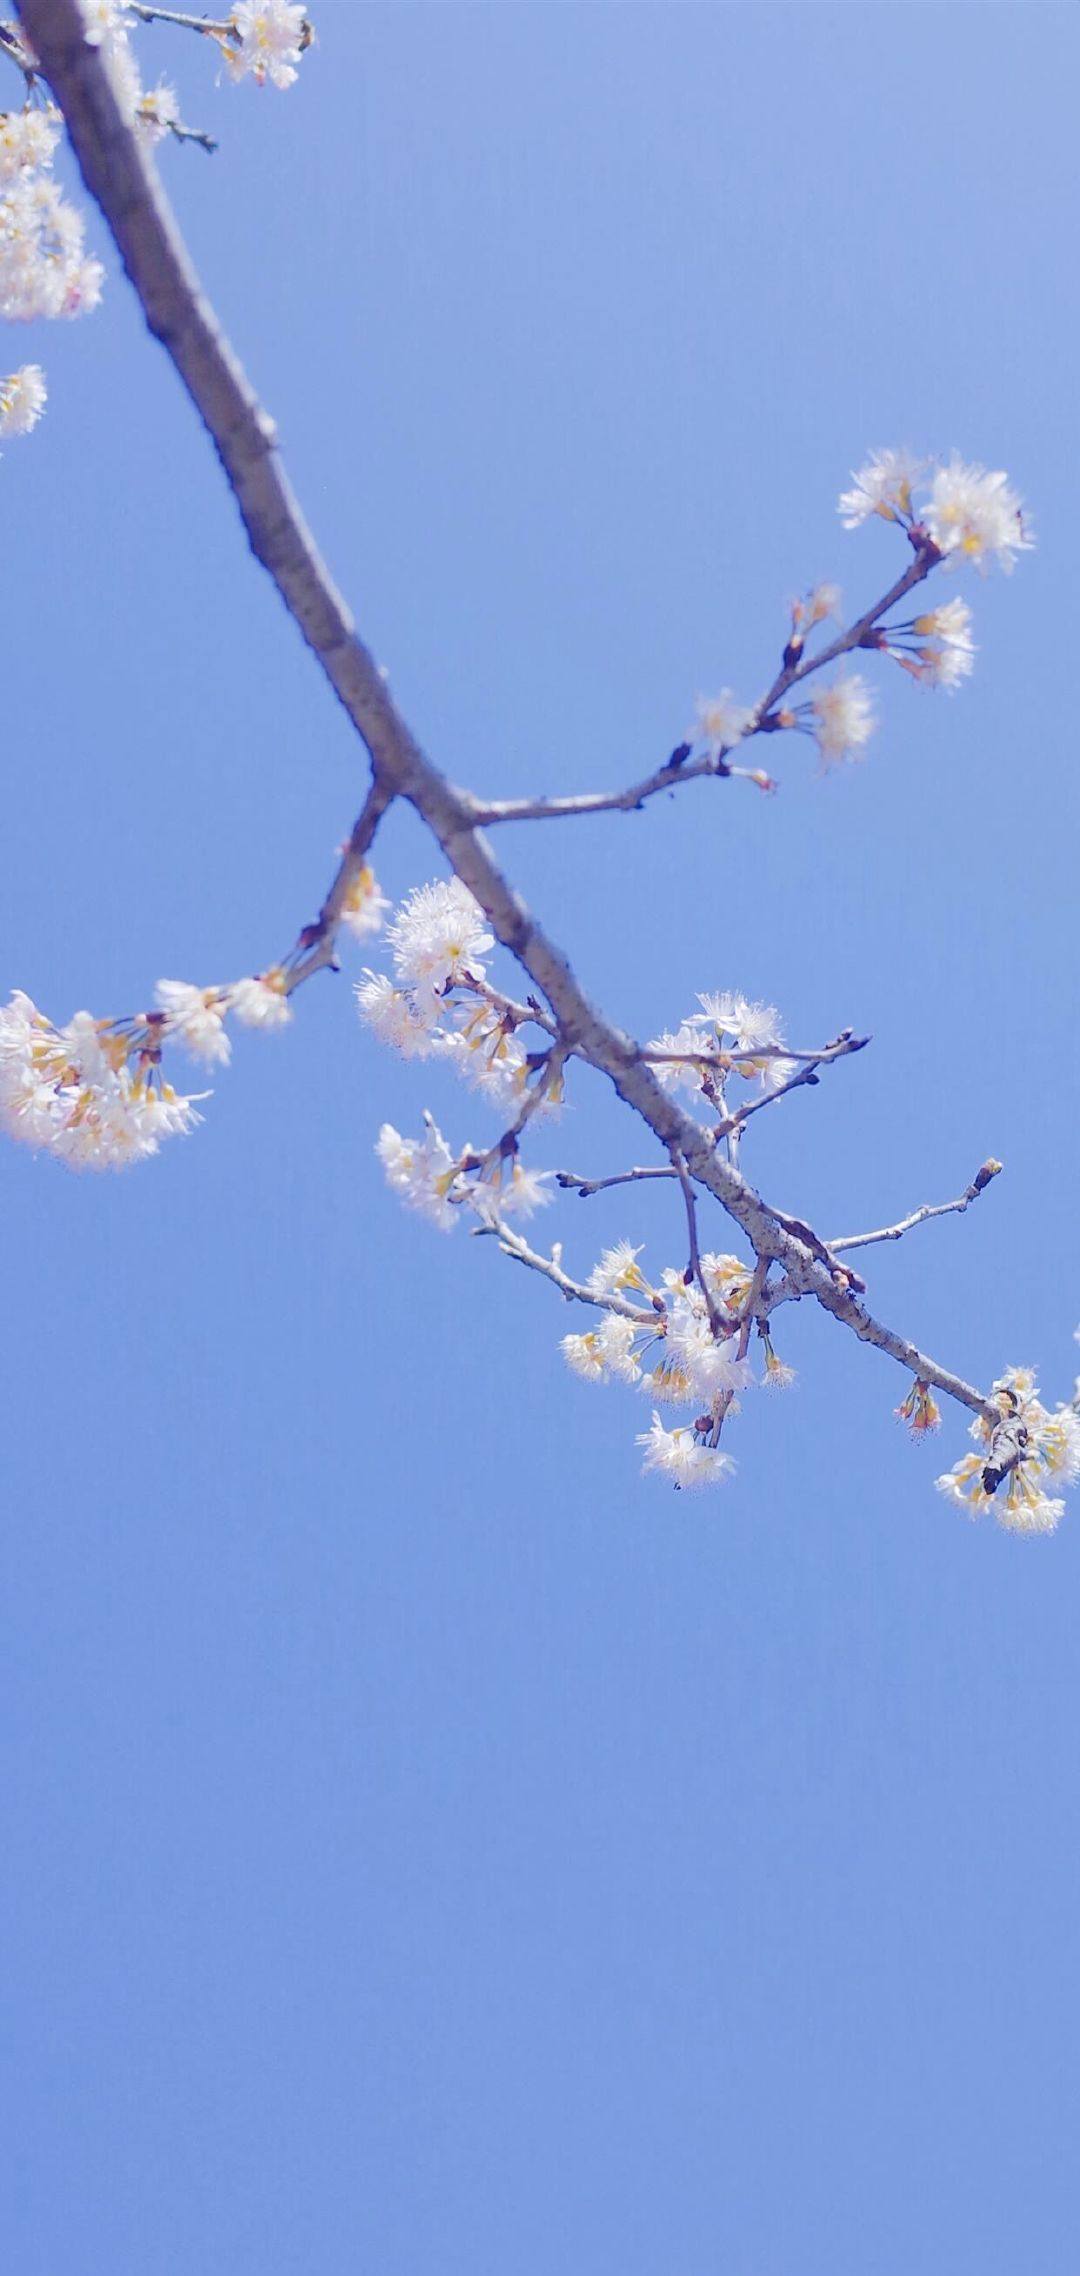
(192, 134)
(752, 1308)
(628, 801)
(513, 1245)
(694, 1268)
(979, 1183)
(317, 943)
(807, 1074)
(147, 15)
(515, 1014)
(536, 1096)
(750, 1312)
(727, 1061)
(926, 557)
(586, 1187)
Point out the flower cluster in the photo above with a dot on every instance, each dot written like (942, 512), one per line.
(719, 723)
(440, 1185)
(93, 1093)
(1021, 1446)
(681, 1456)
(265, 40)
(439, 1003)
(936, 647)
(22, 400)
(260, 39)
(44, 268)
(195, 1017)
(422, 1170)
(951, 514)
(729, 1036)
(840, 718)
(963, 512)
(365, 909)
(684, 1343)
(920, 1410)
(154, 112)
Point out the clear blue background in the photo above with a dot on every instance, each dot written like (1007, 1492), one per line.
(428, 1847)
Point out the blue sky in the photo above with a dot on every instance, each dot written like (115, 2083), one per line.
(429, 1847)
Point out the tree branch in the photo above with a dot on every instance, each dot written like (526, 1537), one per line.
(979, 1183)
(318, 941)
(121, 177)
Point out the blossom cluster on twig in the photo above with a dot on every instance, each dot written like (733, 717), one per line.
(45, 271)
(94, 1095)
(93, 1092)
(1021, 1446)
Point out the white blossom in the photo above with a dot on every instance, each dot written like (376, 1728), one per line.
(157, 111)
(22, 400)
(89, 1093)
(842, 718)
(710, 1364)
(393, 1017)
(947, 652)
(774, 1074)
(729, 1280)
(777, 1376)
(585, 1355)
(677, 1455)
(668, 1383)
(270, 38)
(365, 908)
(605, 1351)
(421, 1170)
(43, 267)
(617, 1272)
(680, 1072)
(519, 1192)
(438, 936)
(822, 601)
(751, 1027)
(195, 1017)
(952, 622)
(492, 1060)
(973, 515)
(945, 668)
(727, 1024)
(28, 141)
(106, 21)
(618, 1338)
(720, 722)
(882, 486)
(261, 1001)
